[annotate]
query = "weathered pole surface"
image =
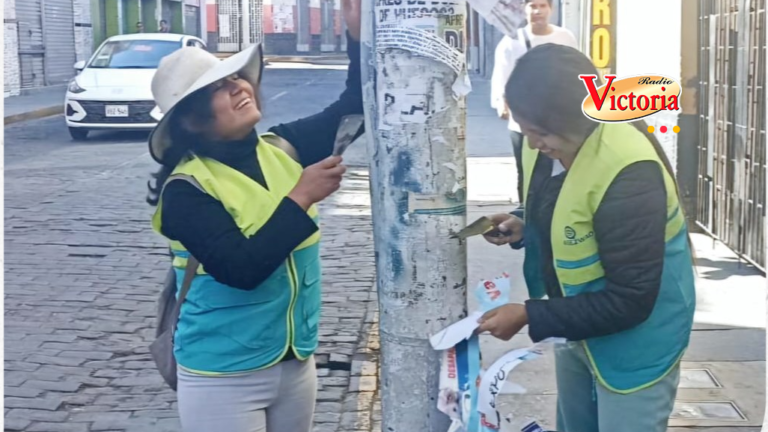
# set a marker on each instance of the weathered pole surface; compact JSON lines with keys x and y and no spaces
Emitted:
{"x":415,"y":134}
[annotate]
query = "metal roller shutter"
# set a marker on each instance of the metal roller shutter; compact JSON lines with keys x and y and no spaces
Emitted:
{"x":31,"y":50}
{"x":192,"y":20}
{"x":59,"y":36}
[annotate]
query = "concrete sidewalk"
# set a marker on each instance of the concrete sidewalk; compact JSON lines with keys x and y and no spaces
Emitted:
{"x":44,"y":102}
{"x":723,"y":379}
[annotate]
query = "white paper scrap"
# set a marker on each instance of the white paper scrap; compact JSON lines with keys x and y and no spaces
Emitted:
{"x":420,"y":42}
{"x":456,"y":332}
{"x":505,"y":15}
{"x":495,"y":377}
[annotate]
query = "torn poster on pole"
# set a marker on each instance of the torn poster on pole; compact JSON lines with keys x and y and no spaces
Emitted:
{"x":467,"y":393}
{"x":433,"y":30}
{"x":505,"y":15}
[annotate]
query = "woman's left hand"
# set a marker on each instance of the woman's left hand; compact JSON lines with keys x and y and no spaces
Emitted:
{"x":504,"y":321}
{"x":351,"y":10}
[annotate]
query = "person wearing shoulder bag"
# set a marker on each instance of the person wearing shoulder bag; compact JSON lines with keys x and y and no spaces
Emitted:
{"x":244,"y":206}
{"x":539,"y":31}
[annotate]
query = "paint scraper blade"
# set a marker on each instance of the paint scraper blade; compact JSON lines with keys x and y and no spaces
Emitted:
{"x":478,"y":227}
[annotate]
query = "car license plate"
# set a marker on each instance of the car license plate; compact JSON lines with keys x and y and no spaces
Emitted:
{"x":117,"y":110}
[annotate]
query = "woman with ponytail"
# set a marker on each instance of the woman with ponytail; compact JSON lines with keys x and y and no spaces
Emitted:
{"x":608,"y":262}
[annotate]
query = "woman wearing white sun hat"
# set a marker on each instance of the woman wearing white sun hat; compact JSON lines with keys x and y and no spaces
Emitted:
{"x":243,"y":205}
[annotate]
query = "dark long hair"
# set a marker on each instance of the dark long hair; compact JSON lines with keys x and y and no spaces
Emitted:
{"x":545,"y":90}
{"x":197,"y":107}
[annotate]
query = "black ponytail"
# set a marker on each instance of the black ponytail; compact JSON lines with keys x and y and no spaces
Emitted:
{"x":197,"y":107}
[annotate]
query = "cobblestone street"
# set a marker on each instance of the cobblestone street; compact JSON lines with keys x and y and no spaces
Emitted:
{"x":84,"y":269}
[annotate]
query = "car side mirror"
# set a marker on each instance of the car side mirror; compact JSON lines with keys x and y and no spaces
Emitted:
{"x":79,"y":66}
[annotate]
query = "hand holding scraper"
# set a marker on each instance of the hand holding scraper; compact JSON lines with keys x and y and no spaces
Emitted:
{"x":478,"y":227}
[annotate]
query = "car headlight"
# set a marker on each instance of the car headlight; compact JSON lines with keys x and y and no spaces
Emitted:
{"x":156,"y":113}
{"x":74,"y":87}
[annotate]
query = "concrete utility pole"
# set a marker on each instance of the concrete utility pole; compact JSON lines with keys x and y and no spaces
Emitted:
{"x":418,"y":189}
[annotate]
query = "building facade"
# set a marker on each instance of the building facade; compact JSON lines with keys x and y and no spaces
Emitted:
{"x":285,"y":27}
{"x":116,"y":17}
{"x":43,"y":40}
{"x":716,"y":49}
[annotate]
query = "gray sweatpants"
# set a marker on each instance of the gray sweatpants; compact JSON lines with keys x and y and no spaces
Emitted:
{"x":278,"y":399}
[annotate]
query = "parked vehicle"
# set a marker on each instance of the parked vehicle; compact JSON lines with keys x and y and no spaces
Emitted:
{"x":112,"y":90}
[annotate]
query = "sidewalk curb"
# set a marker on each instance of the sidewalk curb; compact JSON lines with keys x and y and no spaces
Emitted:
{"x":34,"y":114}
{"x":320,"y":60}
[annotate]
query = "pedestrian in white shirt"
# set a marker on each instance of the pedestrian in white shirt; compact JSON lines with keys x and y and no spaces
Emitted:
{"x":538,"y":32}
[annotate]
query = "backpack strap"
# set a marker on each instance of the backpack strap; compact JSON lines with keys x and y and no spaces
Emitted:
{"x":525,"y":37}
{"x":189,"y":274}
{"x":282,"y":144}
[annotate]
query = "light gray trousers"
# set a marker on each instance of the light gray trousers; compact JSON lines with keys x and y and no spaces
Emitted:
{"x":278,"y":399}
{"x":584,"y":405}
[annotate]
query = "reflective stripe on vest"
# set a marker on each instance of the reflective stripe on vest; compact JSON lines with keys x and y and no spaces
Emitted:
{"x":610,"y":149}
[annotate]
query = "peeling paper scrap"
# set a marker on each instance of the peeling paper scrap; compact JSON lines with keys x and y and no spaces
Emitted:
{"x":462,"y":86}
{"x":456,"y":332}
{"x":505,"y":15}
{"x":450,"y":165}
{"x":495,"y":377}
{"x":421,"y":42}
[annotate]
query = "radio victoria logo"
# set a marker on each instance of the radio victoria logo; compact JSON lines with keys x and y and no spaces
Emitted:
{"x":630,"y":98}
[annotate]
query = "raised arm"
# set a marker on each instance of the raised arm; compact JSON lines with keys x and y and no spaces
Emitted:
{"x":313,"y":137}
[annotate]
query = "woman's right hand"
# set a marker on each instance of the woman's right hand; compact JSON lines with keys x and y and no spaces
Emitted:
{"x":318,"y":181}
{"x":509,"y":229}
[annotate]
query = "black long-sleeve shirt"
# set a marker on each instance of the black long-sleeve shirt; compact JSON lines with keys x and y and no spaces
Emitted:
{"x":629,"y":227}
{"x":208,"y":231}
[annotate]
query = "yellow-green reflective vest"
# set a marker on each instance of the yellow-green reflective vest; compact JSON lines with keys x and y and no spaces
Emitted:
{"x":637,"y":358}
{"x":223,"y":329}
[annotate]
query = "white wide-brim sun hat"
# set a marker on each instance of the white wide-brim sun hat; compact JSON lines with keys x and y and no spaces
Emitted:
{"x":188,"y":70}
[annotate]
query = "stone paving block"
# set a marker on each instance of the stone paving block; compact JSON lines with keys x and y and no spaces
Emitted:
{"x":32,"y":403}
{"x":22,"y":392}
{"x":99,"y":417}
{"x":351,"y":421}
{"x":355,"y":402}
{"x":339,"y":358}
{"x":34,"y":414}
{"x":363,"y":384}
{"x":60,"y":386}
{"x":59,"y":427}
{"x":15,"y":378}
{"x":61,"y":361}
{"x":364,"y":368}
{"x":18,"y":366}
{"x":168,"y":413}
{"x":16,"y":424}
{"x":333,"y":381}
{"x":325,"y":427}
{"x":331,"y":394}
{"x":327,"y":417}
{"x":87,"y":355}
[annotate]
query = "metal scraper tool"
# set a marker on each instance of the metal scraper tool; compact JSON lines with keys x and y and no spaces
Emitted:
{"x":350,"y":128}
{"x":478,"y":227}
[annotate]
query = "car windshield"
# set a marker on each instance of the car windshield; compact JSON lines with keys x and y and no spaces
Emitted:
{"x":133,"y":54}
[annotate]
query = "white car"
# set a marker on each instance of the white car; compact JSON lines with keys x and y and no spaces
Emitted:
{"x":113,"y":90}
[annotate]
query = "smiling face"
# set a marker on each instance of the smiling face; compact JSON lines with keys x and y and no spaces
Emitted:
{"x":234,"y":110}
{"x":549,"y":144}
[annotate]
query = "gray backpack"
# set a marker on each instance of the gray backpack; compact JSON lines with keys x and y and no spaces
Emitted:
{"x":167,"y":318}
